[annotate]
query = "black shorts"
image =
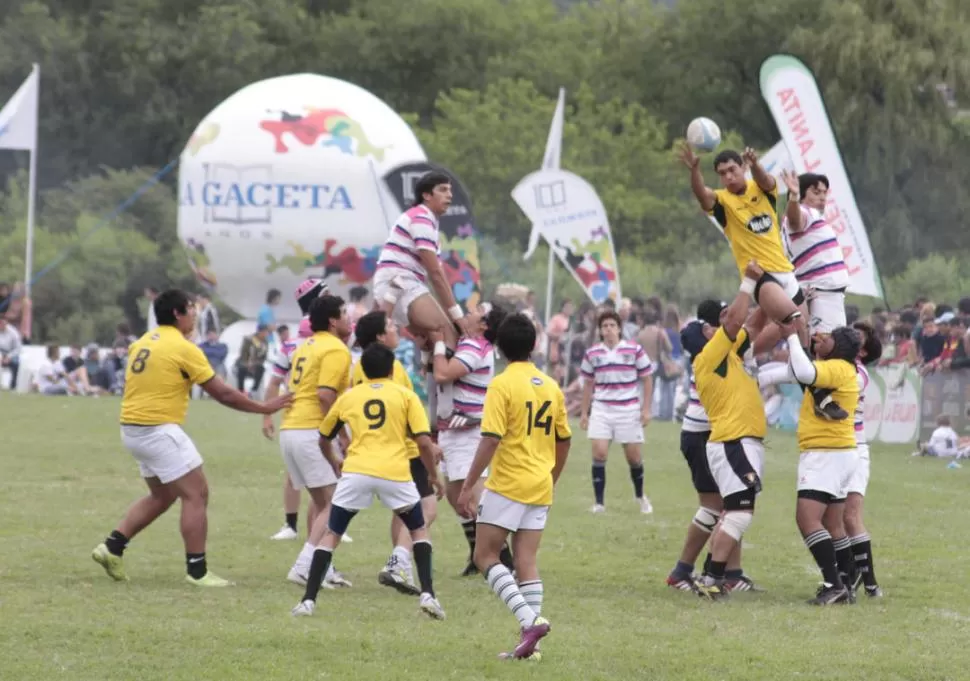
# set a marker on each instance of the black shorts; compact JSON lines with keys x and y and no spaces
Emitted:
{"x":798,"y":298}
{"x":420,"y":476}
{"x":694,"y":448}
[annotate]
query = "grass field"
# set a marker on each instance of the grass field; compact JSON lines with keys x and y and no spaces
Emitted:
{"x":65,"y":482}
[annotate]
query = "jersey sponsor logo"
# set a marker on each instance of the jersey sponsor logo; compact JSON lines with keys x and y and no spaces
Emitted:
{"x":760,"y":224}
{"x":536,"y":380}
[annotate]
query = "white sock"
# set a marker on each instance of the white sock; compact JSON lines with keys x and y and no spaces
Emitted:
{"x":330,"y":571}
{"x":402,"y":557}
{"x":532,"y":593}
{"x":303,"y":560}
{"x":503,"y":584}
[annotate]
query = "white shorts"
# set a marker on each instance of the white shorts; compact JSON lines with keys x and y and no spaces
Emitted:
{"x":458,"y":448}
{"x":404,"y":286}
{"x":827,"y":471}
{"x":736,"y":465}
{"x":617,"y":426}
{"x":164,"y":452}
{"x":787,"y":281}
{"x":356,"y":491}
{"x":826,"y":311}
{"x":304,"y":460}
{"x":494,"y":509}
{"x":859,"y":480}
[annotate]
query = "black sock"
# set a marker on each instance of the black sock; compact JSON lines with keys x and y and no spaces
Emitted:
{"x":599,"y":480}
{"x":707,"y":562}
{"x":820,"y":544}
{"x":291,"y":521}
{"x":116,"y":543}
{"x":636,"y":475}
{"x":195,"y":565}
{"x":422,"y":560}
{"x":734,"y":574}
{"x":469,"y":528}
{"x":716,"y":569}
{"x":318,"y":568}
{"x":862,"y":552}
{"x":506,"y":557}
{"x":844,"y":560}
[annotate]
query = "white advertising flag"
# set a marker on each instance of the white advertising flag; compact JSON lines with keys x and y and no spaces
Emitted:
{"x":792,"y":94}
{"x":567,"y":212}
{"x":18,"y":118}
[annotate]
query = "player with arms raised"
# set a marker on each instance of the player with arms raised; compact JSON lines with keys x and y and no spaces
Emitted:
{"x":382,"y":417}
{"x":163,"y":365}
{"x":525,"y":443}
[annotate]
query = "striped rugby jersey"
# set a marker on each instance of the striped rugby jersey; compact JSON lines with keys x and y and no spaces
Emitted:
{"x":860,"y":410}
{"x":283,"y":355}
{"x":695,"y":418}
{"x":416,"y":230}
{"x":617,"y":374}
{"x":815,"y":253}
{"x":468,"y":392}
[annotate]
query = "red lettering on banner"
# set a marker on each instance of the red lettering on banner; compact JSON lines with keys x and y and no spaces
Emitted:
{"x":901,"y":413}
{"x":846,"y":252}
{"x":799,"y":128}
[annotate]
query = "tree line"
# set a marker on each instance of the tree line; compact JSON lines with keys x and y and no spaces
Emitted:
{"x":126,"y":81}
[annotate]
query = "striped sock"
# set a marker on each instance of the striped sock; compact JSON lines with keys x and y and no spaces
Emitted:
{"x":500,"y":580}
{"x":820,"y":544}
{"x":532,"y":593}
{"x":862,"y":552}
{"x":844,"y":559}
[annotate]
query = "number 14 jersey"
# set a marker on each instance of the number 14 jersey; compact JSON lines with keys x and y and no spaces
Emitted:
{"x":526,"y":411}
{"x":321,"y":361}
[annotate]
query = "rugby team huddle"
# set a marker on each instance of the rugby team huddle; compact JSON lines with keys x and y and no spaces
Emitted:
{"x":352,"y":431}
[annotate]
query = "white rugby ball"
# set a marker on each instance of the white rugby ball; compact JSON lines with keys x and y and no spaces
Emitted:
{"x":703,"y":134}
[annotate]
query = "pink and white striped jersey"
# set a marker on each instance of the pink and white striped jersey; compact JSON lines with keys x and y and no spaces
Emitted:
{"x":815,"y":253}
{"x":695,"y":417}
{"x":468,"y":392}
{"x":617,"y":374}
{"x":281,"y":358}
{"x":860,"y":411}
{"x":416,"y":230}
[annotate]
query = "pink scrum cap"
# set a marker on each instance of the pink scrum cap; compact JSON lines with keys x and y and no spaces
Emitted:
{"x":308,"y":291}
{"x":305,"y":331}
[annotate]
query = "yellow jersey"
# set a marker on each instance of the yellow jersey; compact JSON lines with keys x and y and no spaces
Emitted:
{"x":820,"y":434}
{"x":750,"y":223}
{"x":729,"y":395}
{"x":162,"y":367}
{"x":321,"y":361}
{"x":526,"y":411}
{"x":383,"y":417}
{"x":400,"y":376}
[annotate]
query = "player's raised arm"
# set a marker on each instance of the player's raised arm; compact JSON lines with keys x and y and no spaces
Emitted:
{"x":704,"y":194}
{"x":737,"y":312}
{"x":765,"y":180}
{"x":793,"y":213}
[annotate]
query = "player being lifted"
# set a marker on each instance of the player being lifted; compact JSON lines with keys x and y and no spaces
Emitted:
{"x":525,"y":443}
{"x":319,"y":372}
{"x":462,"y":383}
{"x":828,"y":454}
{"x":613,"y":371}
{"x":694,"y":435}
{"x":735,"y":451}
{"x":377,"y":328}
{"x":382,"y":417}
{"x":747,"y":212}
{"x":163,"y":365}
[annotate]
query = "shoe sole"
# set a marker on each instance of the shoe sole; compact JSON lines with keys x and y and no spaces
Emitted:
{"x":522,"y":653}
{"x":406,"y":589}
{"x":100,"y":560}
{"x":432,"y":612}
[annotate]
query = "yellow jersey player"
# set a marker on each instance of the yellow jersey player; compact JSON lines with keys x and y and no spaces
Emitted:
{"x":318,"y":372}
{"x":382,"y":417}
{"x":378,"y":327}
{"x":525,"y":443}
{"x":735,"y":452}
{"x":828,"y":457}
{"x":163,"y":365}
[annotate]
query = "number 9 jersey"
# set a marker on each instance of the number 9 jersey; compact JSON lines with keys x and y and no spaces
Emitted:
{"x":526,"y":411}
{"x":383,"y":417}
{"x":320,"y":362}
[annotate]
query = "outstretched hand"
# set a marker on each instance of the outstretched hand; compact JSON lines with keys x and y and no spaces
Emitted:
{"x":790,"y":178}
{"x":687,"y":156}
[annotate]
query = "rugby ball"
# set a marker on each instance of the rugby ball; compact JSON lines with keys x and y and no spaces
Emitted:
{"x":703,"y":134}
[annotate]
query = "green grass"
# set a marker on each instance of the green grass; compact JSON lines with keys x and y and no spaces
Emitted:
{"x":65,"y":481}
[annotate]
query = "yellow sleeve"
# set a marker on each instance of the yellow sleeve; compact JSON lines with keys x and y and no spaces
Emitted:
{"x":563,"y":432}
{"x":358,"y":375}
{"x":417,"y":419}
{"x":195,"y":364}
{"x":401,"y":376}
{"x":742,"y":343}
{"x":833,"y":373}
{"x":495,"y":415}
{"x":332,"y":423}
{"x":334,"y":370}
{"x":715,"y":351}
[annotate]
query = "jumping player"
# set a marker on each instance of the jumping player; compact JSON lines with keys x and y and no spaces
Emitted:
{"x":614,"y":371}
{"x":382,"y":417}
{"x":525,"y":443}
{"x":163,"y":365}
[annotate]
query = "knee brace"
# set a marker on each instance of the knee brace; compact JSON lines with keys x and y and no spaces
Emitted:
{"x":705,"y":519}
{"x":339,"y":520}
{"x":413,"y":518}
{"x":736,"y":524}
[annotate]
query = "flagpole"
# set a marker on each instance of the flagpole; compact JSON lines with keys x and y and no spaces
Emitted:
{"x":31,"y":193}
{"x":549,"y":284}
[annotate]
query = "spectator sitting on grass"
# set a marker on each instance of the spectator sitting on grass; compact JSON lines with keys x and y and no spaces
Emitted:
{"x":74,"y":368}
{"x":99,"y":378}
{"x":51,"y":378}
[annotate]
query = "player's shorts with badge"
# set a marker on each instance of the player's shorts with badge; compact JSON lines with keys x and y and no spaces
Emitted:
{"x":621,"y":426}
{"x":400,"y":285}
{"x":827,"y":472}
{"x":737,"y":466}
{"x":826,"y":311}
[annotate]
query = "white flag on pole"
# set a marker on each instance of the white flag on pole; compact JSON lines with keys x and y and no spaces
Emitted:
{"x":18,"y":118}
{"x":550,"y":160}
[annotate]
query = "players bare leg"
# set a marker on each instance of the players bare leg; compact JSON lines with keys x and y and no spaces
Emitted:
{"x":725,"y":543}
{"x":634,"y":458}
{"x":809,"y":512}
{"x":861,"y":544}
{"x":699,"y":532}
{"x":320,"y":499}
{"x":601,"y":450}
{"x":397,"y":572}
{"x":452,"y":490}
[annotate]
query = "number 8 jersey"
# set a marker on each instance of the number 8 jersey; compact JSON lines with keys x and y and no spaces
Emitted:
{"x":320,"y":362}
{"x":526,"y":411}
